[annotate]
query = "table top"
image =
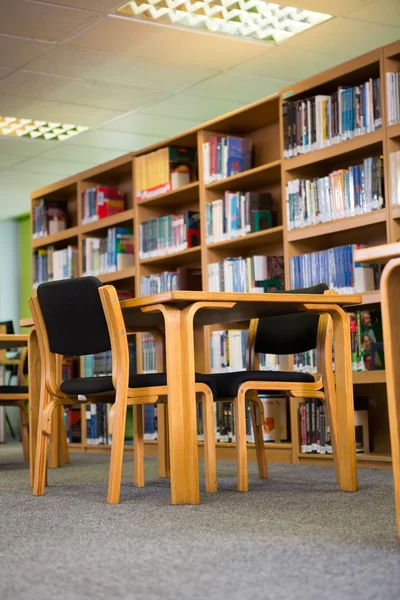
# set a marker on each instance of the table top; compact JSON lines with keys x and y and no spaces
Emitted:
{"x":377,"y":254}
{"x":247,"y":306}
{"x":12,"y":341}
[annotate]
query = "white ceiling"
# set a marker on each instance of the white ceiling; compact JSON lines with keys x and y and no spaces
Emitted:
{"x":135,"y":83}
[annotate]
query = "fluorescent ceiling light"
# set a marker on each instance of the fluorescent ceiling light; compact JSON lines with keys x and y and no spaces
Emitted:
{"x":39,"y":130}
{"x":254,"y":19}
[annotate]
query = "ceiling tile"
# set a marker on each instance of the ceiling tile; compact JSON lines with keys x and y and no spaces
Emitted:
{"x":290,"y":63}
{"x":77,"y":91}
{"x":81,"y":154}
{"x":40,"y":21}
{"x":7,"y":161}
{"x":16,"y":52}
{"x":386,"y":12}
{"x":147,"y":124}
{"x":4,"y":71}
{"x":169,"y":44}
{"x":331,"y":7}
{"x":70,"y":61}
{"x":115,"y":140}
{"x":96,"y":5}
{"x":192,"y":107}
{"x":52,"y":167}
{"x":24,"y":148}
{"x":43,"y":110}
{"x":342,"y":35}
{"x":240,"y":87}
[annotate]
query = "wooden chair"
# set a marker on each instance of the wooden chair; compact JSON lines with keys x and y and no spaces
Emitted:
{"x":280,"y":335}
{"x":81,"y":316}
{"x":17,"y":395}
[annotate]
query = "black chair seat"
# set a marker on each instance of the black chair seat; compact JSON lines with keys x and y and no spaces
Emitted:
{"x":227,"y":384}
{"x":86,"y":386}
{"x":13,"y":389}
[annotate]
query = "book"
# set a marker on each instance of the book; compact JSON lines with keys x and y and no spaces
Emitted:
{"x":108,"y":254}
{"x":323,"y":120}
{"x":245,"y":274}
{"x":48,"y":218}
{"x":393,"y":97}
{"x":169,"y":234}
{"x":225,"y":156}
{"x":99,"y":202}
{"x":51,"y":264}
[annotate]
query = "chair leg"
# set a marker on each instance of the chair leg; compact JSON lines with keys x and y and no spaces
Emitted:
{"x":138,"y":445}
{"x":241,"y":443}
{"x":40,"y":475}
{"x":163,"y":441}
{"x":210,"y":454}
{"x":24,"y":433}
{"x":117,"y":446}
{"x":257,"y":422}
{"x":64,"y":444}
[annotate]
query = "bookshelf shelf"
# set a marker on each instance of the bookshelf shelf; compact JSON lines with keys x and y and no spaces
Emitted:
{"x":249,"y":180}
{"x":117,"y":219}
{"x":395,"y":211}
{"x":343,"y":151}
{"x":177,"y":258}
{"x":372,"y":297}
{"x":183,"y":195}
{"x":303,"y":233}
{"x":368,"y":461}
{"x":259,"y":238}
{"x":368,"y":377}
{"x":61,"y":236}
{"x":378,"y":254}
{"x":117,"y":275}
{"x":394,"y":131}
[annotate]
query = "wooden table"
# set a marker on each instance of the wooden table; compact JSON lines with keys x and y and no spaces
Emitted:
{"x":177,"y":313}
{"x":389,"y":255}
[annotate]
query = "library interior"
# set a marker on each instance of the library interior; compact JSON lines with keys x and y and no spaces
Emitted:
{"x":199,"y":299}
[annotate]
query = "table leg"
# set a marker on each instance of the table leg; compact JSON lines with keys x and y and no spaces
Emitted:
{"x":390,"y":288}
{"x":34,"y":397}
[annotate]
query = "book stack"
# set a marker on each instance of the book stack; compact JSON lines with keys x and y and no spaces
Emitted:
{"x":335,"y":267}
{"x":395,"y":177}
{"x":48,"y":218}
{"x":169,"y":234}
{"x":182,"y":279}
{"x":50,"y":264}
{"x":393,"y":98}
{"x":315,"y":434}
{"x":72,"y":420}
{"x":228,"y":353}
{"x":252,"y":274}
{"x":149,"y":365}
{"x":164,"y":170}
{"x":343,"y":193}
{"x":225,"y":156}
{"x":238,"y":214}
{"x":305,"y":362}
{"x":366,"y":340}
{"x":108,"y":254}
{"x":100,"y":202}
{"x":324,"y":120}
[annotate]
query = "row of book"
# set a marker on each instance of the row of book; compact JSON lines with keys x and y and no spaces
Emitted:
{"x":108,"y":254}
{"x":342,"y":193}
{"x":48,"y":218}
{"x":315,"y":434}
{"x":182,"y":279}
{"x":393,"y":98}
{"x":225,"y":156}
{"x":99,"y":202}
{"x":49,"y":264}
{"x":169,"y":234}
{"x":238,"y":214}
{"x":324,"y":120}
{"x":335,"y":267}
{"x":251,"y":274}
{"x":228,"y":352}
{"x":395,"y":177}
{"x":164,"y":170}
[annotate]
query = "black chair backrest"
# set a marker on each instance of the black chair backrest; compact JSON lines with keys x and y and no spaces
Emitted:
{"x":74,"y":317}
{"x":289,"y":334}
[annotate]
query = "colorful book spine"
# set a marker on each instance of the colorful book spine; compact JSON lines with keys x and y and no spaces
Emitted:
{"x":169,"y":234}
{"x":100,"y":202}
{"x":252,"y":274}
{"x":225,"y":156}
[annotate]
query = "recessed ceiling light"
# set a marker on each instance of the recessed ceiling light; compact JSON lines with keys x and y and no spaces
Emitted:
{"x":39,"y":130}
{"x":254,"y":19}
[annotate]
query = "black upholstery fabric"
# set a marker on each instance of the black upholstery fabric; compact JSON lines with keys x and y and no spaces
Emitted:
{"x":289,"y":334}
{"x":99,"y":385}
{"x":13,"y":389}
{"x":74,"y":316}
{"x":227,"y":384}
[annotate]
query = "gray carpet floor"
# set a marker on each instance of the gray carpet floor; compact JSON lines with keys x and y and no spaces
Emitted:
{"x":293,"y":536}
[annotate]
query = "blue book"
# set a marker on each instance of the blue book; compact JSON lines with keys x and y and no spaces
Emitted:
{"x":239,"y":155}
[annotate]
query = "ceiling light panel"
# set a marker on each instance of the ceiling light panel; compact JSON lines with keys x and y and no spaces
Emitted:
{"x":254,"y":19}
{"x":38,"y":130}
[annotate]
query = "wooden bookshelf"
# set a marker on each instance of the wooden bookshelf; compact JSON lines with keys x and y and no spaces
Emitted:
{"x":262,"y":123}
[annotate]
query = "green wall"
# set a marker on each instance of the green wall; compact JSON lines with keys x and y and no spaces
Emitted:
{"x":26,"y":264}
